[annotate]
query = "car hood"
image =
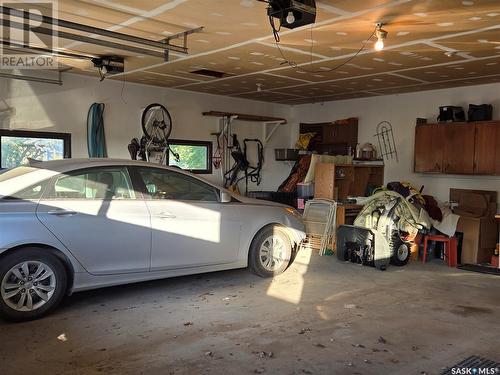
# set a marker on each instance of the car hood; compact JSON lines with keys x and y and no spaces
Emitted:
{"x":258,"y":202}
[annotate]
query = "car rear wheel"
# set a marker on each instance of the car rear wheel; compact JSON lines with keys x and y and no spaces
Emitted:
{"x":270,"y":252}
{"x":32,"y":282}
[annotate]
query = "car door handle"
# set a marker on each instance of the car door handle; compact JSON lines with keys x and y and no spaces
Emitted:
{"x":165,"y":215}
{"x":62,"y":212}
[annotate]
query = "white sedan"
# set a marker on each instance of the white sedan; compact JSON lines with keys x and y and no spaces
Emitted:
{"x":72,"y":225}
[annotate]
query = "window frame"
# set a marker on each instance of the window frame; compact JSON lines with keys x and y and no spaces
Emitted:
{"x":188,"y":142}
{"x":138,"y":180}
{"x":65,"y":137}
{"x":49,"y":194}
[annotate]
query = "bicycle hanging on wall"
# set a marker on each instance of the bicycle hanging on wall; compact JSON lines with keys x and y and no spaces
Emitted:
{"x":156,"y":125}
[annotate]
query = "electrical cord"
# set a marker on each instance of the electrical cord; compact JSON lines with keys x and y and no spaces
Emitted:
{"x":294,"y":65}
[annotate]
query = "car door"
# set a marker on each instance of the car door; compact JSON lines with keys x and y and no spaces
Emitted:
{"x":99,"y":217}
{"x":190,"y":227}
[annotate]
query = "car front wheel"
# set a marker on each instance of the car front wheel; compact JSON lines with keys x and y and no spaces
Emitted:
{"x":32,"y":282}
{"x":270,"y":252}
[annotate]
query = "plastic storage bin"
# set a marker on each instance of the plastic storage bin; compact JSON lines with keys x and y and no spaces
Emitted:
{"x":305,"y":190}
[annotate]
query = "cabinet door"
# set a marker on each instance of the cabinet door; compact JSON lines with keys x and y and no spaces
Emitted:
{"x":330,"y":133}
{"x":497,"y":151}
{"x":458,"y":144}
{"x":486,"y":152}
{"x":429,"y":148}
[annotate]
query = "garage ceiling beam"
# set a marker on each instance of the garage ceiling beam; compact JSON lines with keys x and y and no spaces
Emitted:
{"x":163,"y":45}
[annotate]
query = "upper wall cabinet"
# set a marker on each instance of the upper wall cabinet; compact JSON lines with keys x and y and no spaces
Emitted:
{"x":333,"y":137}
{"x":429,"y":148}
{"x":458,"y":148}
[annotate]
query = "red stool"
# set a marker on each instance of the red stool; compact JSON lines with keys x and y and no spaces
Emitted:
{"x":450,"y":247}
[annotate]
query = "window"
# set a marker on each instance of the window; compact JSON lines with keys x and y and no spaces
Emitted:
{"x":33,"y":192}
{"x":194,"y":156}
{"x":16,"y":147}
{"x":109,"y":183}
{"x":163,"y":184}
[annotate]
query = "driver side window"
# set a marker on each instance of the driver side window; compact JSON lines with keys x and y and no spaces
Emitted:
{"x":164,"y":184}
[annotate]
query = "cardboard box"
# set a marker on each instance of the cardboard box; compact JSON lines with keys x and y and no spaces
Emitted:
{"x":477,"y":210}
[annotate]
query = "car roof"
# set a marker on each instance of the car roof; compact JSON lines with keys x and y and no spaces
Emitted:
{"x":66,"y":165}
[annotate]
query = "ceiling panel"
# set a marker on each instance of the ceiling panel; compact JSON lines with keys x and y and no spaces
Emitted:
{"x":252,"y":58}
{"x":371,"y":62}
{"x":237,"y":41}
{"x":265,"y":96}
{"x":485,"y":43}
{"x":243,"y":84}
{"x":405,"y":23}
{"x":470,"y":69}
{"x":440,"y":85}
{"x":350,"y":85}
{"x":152,"y":79}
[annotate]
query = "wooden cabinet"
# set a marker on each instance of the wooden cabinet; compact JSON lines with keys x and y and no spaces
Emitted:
{"x":487,"y":145}
{"x":458,"y":148}
{"x":338,"y":181}
{"x":429,"y":148}
{"x":333,"y":137}
{"x":344,"y":133}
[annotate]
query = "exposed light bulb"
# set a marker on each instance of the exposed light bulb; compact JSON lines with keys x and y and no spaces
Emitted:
{"x":381,"y":36}
{"x":290,"y":18}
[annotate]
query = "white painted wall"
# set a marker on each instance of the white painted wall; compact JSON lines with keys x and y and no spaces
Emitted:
{"x":64,"y":108}
{"x":46,"y":107}
{"x":402,"y":110}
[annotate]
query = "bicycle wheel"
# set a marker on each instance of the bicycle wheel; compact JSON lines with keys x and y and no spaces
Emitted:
{"x":156,"y":123}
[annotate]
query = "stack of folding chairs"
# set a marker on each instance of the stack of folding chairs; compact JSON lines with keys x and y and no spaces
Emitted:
{"x":320,"y":219}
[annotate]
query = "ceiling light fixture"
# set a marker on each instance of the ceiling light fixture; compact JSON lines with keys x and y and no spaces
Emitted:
{"x":290,"y":18}
{"x":381,"y":35}
{"x":259,"y":87}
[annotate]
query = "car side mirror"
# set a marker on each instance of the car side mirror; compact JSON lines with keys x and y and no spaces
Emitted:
{"x":225,"y":197}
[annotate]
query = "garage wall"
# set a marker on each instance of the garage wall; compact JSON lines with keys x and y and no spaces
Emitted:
{"x":402,"y":110}
{"x":47,"y":107}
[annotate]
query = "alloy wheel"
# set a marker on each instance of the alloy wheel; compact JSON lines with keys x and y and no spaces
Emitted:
{"x":272,"y":253}
{"x":28,"y":285}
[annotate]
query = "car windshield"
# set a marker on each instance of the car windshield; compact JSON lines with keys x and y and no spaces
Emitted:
{"x":15,"y":172}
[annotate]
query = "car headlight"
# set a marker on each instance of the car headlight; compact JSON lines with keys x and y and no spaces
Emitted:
{"x":293,"y":212}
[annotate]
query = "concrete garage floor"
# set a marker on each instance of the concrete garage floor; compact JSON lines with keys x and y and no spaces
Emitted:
{"x":320,"y":317}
